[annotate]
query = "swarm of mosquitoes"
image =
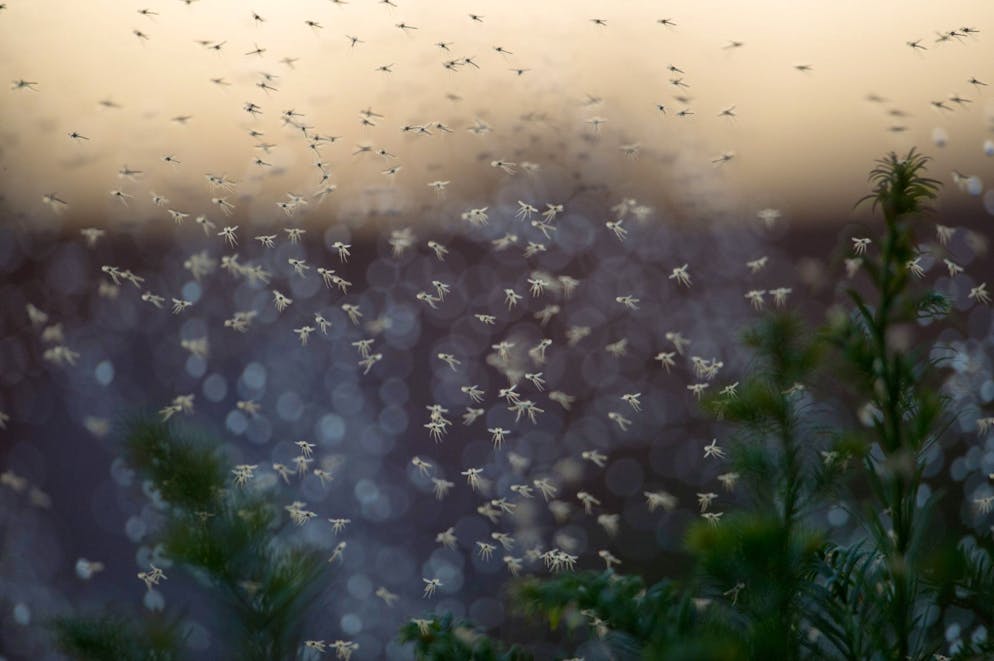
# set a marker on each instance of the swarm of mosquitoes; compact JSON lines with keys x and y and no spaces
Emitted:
{"x":548,"y":362}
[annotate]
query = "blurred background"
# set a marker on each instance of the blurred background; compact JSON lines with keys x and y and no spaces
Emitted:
{"x":771,"y":116}
{"x":801,"y":96}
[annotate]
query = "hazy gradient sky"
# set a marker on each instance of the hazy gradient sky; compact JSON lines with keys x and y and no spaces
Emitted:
{"x":802,"y":140}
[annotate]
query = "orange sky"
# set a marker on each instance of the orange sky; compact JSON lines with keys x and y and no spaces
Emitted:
{"x":802,"y":140}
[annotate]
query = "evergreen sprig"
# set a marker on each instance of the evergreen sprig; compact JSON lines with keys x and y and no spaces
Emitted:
{"x":226,"y":536}
{"x":112,"y":637}
{"x":768,"y":584}
{"x":907,"y":413}
{"x":444,"y":639}
{"x":757,"y":561}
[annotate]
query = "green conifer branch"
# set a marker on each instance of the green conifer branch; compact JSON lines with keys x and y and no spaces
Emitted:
{"x":226,"y":536}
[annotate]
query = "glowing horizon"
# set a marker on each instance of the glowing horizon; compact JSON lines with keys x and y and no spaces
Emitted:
{"x":799,"y":139}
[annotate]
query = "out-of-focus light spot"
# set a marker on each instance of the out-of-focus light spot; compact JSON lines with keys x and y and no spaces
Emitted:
{"x":260,"y":431}
{"x":347,"y":399}
{"x":351,"y":624}
{"x":359,"y":586}
{"x":193,"y":328}
{"x":394,"y":391}
{"x":378,"y":511}
{"x":375,"y":443}
{"x":196,"y":636}
{"x":453,"y":607}
{"x":135,"y":529}
{"x":254,"y":376}
{"x":972,"y":458}
{"x":154,"y":601}
{"x":404,"y":329}
{"x":191,"y":291}
{"x":121,"y":473}
{"x":957,"y":469}
{"x":104,"y":373}
{"x":84,"y":569}
{"x":838,"y":516}
{"x":366,"y":492}
{"x":236,"y":422}
{"x":215,"y":387}
{"x":451,"y":577}
{"x":22,"y":614}
{"x":289,"y":406}
{"x":330,"y":429}
{"x":304,"y":288}
{"x":99,"y":427}
{"x":393,"y":420}
{"x":196,"y":366}
{"x":576,"y":235}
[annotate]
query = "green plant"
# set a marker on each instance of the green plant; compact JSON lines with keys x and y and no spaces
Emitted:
{"x":770,"y":584}
{"x":906,"y":413}
{"x":107,"y":637}
{"x":228,"y":538}
{"x":440,"y":639}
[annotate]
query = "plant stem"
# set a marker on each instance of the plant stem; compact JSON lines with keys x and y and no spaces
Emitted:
{"x":893,"y":441}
